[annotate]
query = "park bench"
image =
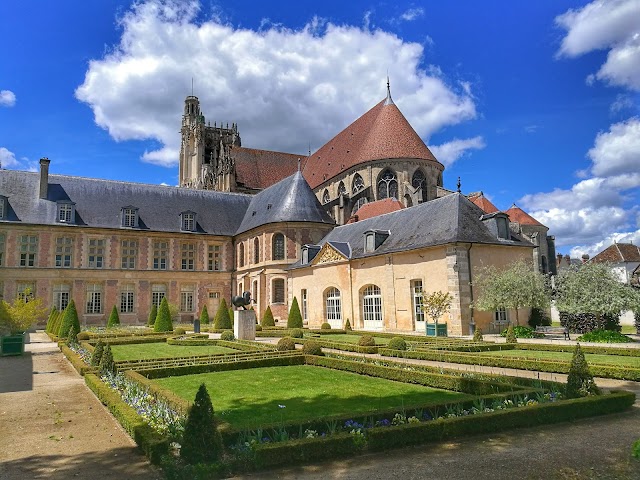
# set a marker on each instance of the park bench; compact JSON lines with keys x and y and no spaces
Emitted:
{"x":546,"y":330}
{"x":499,"y":325}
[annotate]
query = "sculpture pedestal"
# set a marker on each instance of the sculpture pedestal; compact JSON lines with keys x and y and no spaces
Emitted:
{"x":244,"y":324}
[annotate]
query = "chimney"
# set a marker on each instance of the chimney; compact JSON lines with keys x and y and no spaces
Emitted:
{"x":559,"y":259}
{"x":44,"y":177}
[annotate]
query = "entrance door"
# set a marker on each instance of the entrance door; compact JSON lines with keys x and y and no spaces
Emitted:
{"x":213,"y":302}
{"x":418,"y":313}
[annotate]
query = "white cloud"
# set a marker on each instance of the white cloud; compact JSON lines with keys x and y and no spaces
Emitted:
{"x":412,"y":14}
{"x":606,"y":25}
{"x":449,"y":152}
{"x":7,"y":98}
{"x":618,"y":150}
{"x":531,"y":128}
{"x":622,"y":102}
{"x":285,"y":88}
{"x":8,"y":160}
{"x":597,"y":247}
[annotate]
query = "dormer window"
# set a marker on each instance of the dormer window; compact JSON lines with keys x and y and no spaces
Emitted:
{"x":188,"y":222}
{"x":3,"y":207}
{"x":503,"y":228}
{"x":130,"y":217}
{"x":373,"y":239}
{"x":308,"y":253}
{"x":66,"y":212}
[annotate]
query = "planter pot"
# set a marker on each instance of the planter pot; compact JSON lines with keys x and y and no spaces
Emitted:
{"x":440,"y":331}
{"x":12,"y":345}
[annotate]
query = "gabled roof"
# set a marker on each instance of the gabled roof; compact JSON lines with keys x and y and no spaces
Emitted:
{"x":289,"y":200}
{"x":98,"y":203}
{"x":516,"y":214}
{"x":383,"y":132}
{"x":259,"y":169}
{"x":483,"y":202}
{"x":379,"y":207}
{"x":618,"y":253}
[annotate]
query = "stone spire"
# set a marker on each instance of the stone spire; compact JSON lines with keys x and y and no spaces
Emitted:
{"x":389,"y":100}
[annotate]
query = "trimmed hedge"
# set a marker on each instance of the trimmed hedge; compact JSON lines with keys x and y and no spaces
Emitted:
{"x":76,"y":362}
{"x":175,"y":400}
{"x":344,"y":346}
{"x":623,"y":352}
{"x":131,"y":340}
{"x":150,"y":442}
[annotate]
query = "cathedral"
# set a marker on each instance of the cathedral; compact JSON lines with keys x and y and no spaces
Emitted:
{"x":356,"y":231}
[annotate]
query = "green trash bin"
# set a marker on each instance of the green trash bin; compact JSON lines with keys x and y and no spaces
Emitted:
{"x":12,"y":345}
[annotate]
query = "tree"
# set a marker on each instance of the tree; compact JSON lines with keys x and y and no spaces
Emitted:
{"x":69,"y":319}
{"x":152,"y":316}
{"x":163,"y":321}
{"x":436,"y":304}
{"x":72,"y":336}
{"x":114,"y":318}
{"x":204,"y":315}
{"x":511,"y":335}
{"x":580,"y":382}
{"x":107,"y":365}
{"x":52,"y":316}
{"x":96,"y":356}
{"x":517,"y":286}
{"x":267,"y":318}
{"x":202,"y":442}
{"x":222,"y":321}
{"x":18,"y":316}
{"x":295,"y":317}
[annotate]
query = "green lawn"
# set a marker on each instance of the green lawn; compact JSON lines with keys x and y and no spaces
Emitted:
{"x":140,"y":351}
{"x":566,"y":357}
{"x":350,"y":338}
{"x":250,"y":398}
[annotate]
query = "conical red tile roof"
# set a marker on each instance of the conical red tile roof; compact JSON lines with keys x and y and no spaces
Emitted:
{"x":483,"y":202}
{"x":382,"y":132}
{"x":516,"y":214}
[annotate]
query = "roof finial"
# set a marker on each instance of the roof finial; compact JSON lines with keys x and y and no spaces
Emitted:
{"x":388,"y":101}
{"x":459,"y":185}
{"x":298,"y":164}
{"x":192,"y":86}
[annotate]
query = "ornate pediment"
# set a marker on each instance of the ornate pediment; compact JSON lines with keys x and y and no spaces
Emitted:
{"x":328,"y":254}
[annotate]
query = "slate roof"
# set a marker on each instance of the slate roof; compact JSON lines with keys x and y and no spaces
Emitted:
{"x":483,"y":202}
{"x":516,"y":214}
{"x":382,"y":132}
{"x":289,"y":200}
{"x":618,"y":253}
{"x":259,"y":169}
{"x":379,"y":207}
{"x":98,"y":203}
{"x":450,"y":219}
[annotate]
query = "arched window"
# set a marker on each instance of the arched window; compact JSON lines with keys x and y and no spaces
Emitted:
{"x":256,"y":250}
{"x":358,"y":183}
{"x":342,"y":190}
{"x":278,"y":247}
{"x":361,"y":201}
{"x":277,"y":292}
{"x":333,"y":308}
{"x":372,"y":307}
{"x":241,"y":255}
{"x":325,"y":197}
{"x":419,"y":181}
{"x":440,"y":179}
{"x":387,"y":185}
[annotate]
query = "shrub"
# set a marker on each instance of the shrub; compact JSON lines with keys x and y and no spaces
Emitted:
{"x":510,"y":335}
{"x":397,"y":343}
{"x":325,"y":326}
{"x":227,"y":336}
{"x":297,"y":333}
{"x":96,"y":356}
{"x":635,"y":449}
{"x":258,"y":328}
{"x":367,"y":341}
{"x":179,"y":331}
{"x":580,"y":381}
{"x":347,"y":325}
{"x":521,"y":331}
{"x":267,"y":318}
{"x":587,"y":322}
{"x":83,"y":336}
{"x":72,"y":336}
{"x":295,"y":317}
{"x":636,"y":316}
{"x":286,"y":343}
{"x":70,"y":318}
{"x":107,"y":365}
{"x":152,"y":316}
{"x":477,"y":335}
{"x":222,"y":319}
{"x":163,"y":321}
{"x":52,"y":316}
{"x":114,"y":318}
{"x":204,"y":315}
{"x":538,"y":318}
{"x":312,"y":348}
{"x":604,"y":336}
{"x":201,"y":442}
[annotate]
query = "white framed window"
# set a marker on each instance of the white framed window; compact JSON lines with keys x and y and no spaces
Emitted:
{"x":96,"y":252}
{"x":64,"y":252}
{"x":303,"y":297}
{"x":501,"y":315}
{"x":65,"y":212}
{"x":333,"y":308}
{"x":94,"y":298}
{"x":28,"y":247}
{"x":214,"y":295}
{"x":214,"y":258}
{"x":188,"y":251}
{"x":26,"y":290}
{"x":278,"y":246}
{"x":158,"y":292}
{"x":278,"y":290}
{"x":61,"y":296}
{"x":127,"y":298}
{"x":129,"y":254}
{"x":188,"y":222}
{"x":372,"y":307}
{"x":186,"y":298}
{"x":160,"y":254}
{"x":416,"y":297}
{"x":130,"y":217}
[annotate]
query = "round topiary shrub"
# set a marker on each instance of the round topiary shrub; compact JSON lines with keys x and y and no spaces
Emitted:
{"x":325,"y":326}
{"x":179,"y":331}
{"x":397,"y":343}
{"x":286,"y":343}
{"x":297,"y":333}
{"x":367,"y":341}
{"x":83,"y":336}
{"x":477,"y":335}
{"x":312,"y":348}
{"x":258,"y":328}
{"x":228,"y":336}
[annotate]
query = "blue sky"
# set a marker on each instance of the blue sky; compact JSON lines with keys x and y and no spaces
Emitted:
{"x":535,"y":103}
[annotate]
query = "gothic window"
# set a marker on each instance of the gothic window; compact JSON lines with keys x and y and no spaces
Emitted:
{"x":342,"y":190}
{"x":419,"y":181}
{"x":241,"y":255}
{"x":361,"y":201}
{"x":440,"y":179}
{"x":256,"y":250}
{"x":325,"y":196}
{"x":387,"y":185}
{"x":278,"y":247}
{"x":358,"y":183}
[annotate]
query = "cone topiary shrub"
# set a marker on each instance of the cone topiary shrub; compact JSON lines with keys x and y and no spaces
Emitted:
{"x":57,"y":323}
{"x":511,"y":336}
{"x":295,"y":317}
{"x":152,"y":316}
{"x":204,"y":315}
{"x":267,"y":318}
{"x":72,"y":336}
{"x":580,"y":382}
{"x":222,"y":319}
{"x":477,"y":335}
{"x":52,"y":316}
{"x":312,"y":348}
{"x":228,"y":336}
{"x":297,"y":333}
{"x":397,"y":343}
{"x":201,"y":443}
{"x":107,"y":365}
{"x":114,"y":318}
{"x":286,"y":343}
{"x":70,"y":319}
{"x":367,"y":341}
{"x":231,"y":316}
{"x":347,"y":325}
{"x":325,"y":326}
{"x":96,"y":356}
{"x":163,"y":321}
